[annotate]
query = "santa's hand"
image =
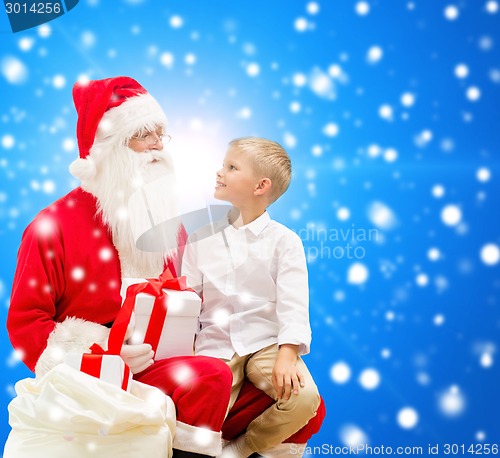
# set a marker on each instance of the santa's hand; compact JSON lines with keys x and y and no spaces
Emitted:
{"x":137,"y":357}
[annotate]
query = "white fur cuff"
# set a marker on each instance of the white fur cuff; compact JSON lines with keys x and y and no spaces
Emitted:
{"x":72,"y":335}
{"x":198,"y":440}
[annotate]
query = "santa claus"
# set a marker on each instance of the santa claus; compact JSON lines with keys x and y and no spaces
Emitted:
{"x":66,"y":291}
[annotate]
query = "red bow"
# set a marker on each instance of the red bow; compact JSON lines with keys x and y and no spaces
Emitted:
{"x":154,"y":287}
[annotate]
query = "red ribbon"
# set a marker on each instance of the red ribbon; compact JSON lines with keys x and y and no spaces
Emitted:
{"x":91,"y":363}
{"x":154,"y":287}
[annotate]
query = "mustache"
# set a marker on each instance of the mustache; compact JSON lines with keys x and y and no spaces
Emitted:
{"x":148,"y":158}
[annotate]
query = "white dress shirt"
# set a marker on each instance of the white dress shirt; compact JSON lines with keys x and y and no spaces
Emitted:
{"x":253,"y":281}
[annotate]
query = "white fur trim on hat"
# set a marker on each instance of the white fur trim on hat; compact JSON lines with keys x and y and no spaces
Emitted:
{"x":123,"y":121}
{"x":71,"y":335}
{"x":197,"y":440}
{"x":83,"y":169}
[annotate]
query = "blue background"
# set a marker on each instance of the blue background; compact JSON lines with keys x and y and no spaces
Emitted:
{"x":419,"y":306}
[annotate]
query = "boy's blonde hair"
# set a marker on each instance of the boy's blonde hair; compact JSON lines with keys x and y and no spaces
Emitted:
{"x":270,"y":160}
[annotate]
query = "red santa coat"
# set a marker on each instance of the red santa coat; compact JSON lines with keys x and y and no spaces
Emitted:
{"x":69,"y":267}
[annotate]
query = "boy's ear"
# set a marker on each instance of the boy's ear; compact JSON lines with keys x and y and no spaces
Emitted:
{"x":263,"y":186}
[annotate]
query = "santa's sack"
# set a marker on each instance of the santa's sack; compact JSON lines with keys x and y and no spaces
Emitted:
{"x":68,"y":413}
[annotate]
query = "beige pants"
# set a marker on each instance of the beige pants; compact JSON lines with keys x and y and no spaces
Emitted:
{"x":283,"y":418}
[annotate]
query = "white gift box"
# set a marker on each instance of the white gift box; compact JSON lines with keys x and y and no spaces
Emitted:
{"x":108,"y":368}
{"x":180,"y":325}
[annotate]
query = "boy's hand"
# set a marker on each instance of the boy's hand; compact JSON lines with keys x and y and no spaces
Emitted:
{"x":286,"y":377}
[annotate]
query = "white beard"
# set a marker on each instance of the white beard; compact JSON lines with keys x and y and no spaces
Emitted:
{"x":120,"y":173}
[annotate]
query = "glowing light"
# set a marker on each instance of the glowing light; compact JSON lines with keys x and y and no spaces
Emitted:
{"x":451,"y":12}
{"x":343,"y":214}
{"x":353,"y":436}
{"x":461,"y":71}
{"x":167,"y":59}
{"x":331,"y":129}
{"x":434,"y":254}
{"x":374,"y":54}
{"x":176,"y":22}
{"x":190,"y":59}
{"x":386,"y":112}
{"x":473,"y":93}
{"x":451,"y":215}
{"x":44,"y":31}
{"x":77,"y":273}
{"x":381,"y":216}
{"x":301,"y":24}
{"x":105,"y":254}
{"x":312,"y":8}
{"x":438,"y":320}
{"x":362,"y":8}
{"x":438,"y":191}
{"x":452,"y":402}
{"x":26,"y":43}
{"x":253,"y":69}
{"x":14,"y":71}
{"x":8,"y":141}
{"x":490,"y":254}
{"x":369,"y":379}
{"x":340,"y":372}
{"x":299,"y":79}
{"x":483,"y":174}
{"x":357,"y":274}
{"x":59,"y":81}
{"x":492,"y":7}
{"x":408,"y":99}
{"x":407,"y":418}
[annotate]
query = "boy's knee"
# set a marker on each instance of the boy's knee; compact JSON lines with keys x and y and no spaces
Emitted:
{"x":309,"y":400}
{"x":304,"y":405}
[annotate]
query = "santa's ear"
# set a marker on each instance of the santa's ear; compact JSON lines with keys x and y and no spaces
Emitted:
{"x":263,"y":186}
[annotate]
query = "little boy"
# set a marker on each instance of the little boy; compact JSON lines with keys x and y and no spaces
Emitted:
{"x":252,"y":275}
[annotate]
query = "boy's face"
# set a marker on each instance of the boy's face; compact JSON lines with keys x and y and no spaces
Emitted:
{"x":236,"y":180}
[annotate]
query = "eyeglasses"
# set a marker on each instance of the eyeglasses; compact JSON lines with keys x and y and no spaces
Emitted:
{"x":152,"y":138}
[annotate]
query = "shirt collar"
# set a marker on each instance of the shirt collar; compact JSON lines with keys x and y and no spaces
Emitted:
{"x":258,"y":225}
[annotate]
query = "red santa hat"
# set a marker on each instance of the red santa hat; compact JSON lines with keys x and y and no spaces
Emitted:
{"x":110,"y":110}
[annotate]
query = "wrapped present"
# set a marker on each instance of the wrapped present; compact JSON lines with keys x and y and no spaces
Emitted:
{"x":108,"y":368}
{"x":166,"y":314}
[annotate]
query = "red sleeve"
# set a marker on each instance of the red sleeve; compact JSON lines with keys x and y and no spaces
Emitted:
{"x":38,"y":283}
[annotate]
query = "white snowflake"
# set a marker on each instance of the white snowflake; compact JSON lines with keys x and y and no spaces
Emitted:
{"x":369,"y":379}
{"x":357,"y":274}
{"x":452,"y":402}
{"x":407,"y":418}
{"x":362,"y":8}
{"x":490,"y":254}
{"x":451,"y":12}
{"x":340,"y":372}
{"x":374,"y":54}
{"x":14,"y":70}
{"x":382,"y":216}
{"x":451,"y":215}
{"x":353,"y":436}
{"x":176,"y":22}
